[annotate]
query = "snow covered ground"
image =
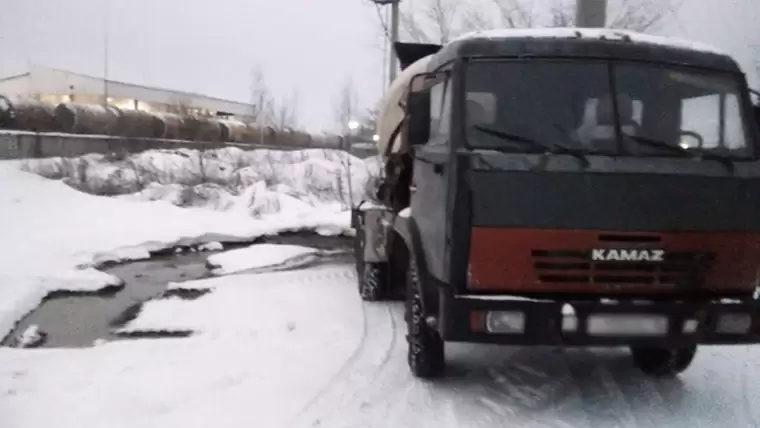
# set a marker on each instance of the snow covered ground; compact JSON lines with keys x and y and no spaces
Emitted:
{"x":293,"y":348}
{"x":299,"y":349}
{"x":52,"y":234}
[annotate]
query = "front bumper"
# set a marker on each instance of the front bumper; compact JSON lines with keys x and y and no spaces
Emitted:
{"x":551,"y":322}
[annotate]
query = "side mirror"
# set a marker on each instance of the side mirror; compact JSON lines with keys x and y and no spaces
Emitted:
{"x":418,"y":106}
{"x":418,"y":118}
{"x":690,"y":141}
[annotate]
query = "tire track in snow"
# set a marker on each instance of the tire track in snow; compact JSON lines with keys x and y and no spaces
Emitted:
{"x":647,"y":404}
{"x":602,"y":400}
{"x":472,"y":394}
{"x":341,"y":372}
{"x":714,"y":398}
{"x":464,"y":397}
{"x":530,"y":387}
{"x":398,"y":399}
{"x":562,"y":402}
{"x":751,"y":415}
{"x":359,"y":405}
{"x":358,"y":373}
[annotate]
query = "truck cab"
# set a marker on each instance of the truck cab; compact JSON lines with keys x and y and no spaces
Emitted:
{"x":567,"y":187}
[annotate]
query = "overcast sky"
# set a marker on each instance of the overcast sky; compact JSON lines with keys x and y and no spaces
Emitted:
{"x":210,"y":47}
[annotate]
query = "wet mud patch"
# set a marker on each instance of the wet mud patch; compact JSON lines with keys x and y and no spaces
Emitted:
{"x":81,"y":319}
{"x":184,"y":293}
{"x":126,"y":316}
{"x":154,"y":334}
{"x":107,"y":291}
{"x":73,"y":319}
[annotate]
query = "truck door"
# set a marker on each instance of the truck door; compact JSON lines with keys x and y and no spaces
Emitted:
{"x":430,"y":182}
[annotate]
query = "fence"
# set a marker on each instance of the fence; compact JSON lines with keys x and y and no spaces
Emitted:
{"x":19,"y":145}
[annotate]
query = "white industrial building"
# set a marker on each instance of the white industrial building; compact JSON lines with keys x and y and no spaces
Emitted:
{"x":57,"y":86}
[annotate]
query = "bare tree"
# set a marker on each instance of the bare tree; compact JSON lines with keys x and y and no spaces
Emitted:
{"x":345,"y":104}
{"x":443,"y":13}
{"x":286,"y":112}
{"x":641,"y":15}
{"x":438,"y":21}
{"x":262,"y":101}
{"x":563,"y":13}
{"x":517,"y":13}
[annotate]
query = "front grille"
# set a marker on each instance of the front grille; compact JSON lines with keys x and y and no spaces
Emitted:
{"x":679,"y":269}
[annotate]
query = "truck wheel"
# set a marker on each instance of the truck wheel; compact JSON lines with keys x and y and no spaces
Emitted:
{"x":663,"y":362}
{"x":371,"y":276}
{"x":358,"y":252}
{"x":426,"y":350}
{"x":371,"y":283}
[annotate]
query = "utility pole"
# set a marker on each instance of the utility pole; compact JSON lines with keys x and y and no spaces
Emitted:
{"x":393,"y":36}
{"x":105,"y":53}
{"x":384,"y":79}
{"x":591,"y":13}
{"x":393,"y":63}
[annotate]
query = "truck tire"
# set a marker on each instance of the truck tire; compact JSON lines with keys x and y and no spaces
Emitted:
{"x":371,"y":276}
{"x":371,"y":282}
{"x":663,"y":362}
{"x":426,"y":356}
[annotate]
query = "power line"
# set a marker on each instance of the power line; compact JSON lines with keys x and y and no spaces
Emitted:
{"x":386,"y":31}
{"x":674,"y":13}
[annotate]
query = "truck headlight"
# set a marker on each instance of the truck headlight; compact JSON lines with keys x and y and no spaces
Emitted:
{"x":505,"y":322}
{"x":690,"y":326}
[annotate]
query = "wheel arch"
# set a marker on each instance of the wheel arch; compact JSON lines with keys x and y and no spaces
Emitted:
{"x":406,"y":242}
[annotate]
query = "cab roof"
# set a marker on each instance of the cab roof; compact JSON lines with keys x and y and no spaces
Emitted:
{"x":590,"y":43}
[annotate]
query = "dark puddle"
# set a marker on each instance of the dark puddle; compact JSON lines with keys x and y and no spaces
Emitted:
{"x":70,"y":320}
{"x":78,"y":319}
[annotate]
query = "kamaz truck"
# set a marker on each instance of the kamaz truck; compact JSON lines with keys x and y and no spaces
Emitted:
{"x":566,"y":187}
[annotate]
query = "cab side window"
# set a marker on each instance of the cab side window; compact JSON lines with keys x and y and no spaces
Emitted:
{"x":440,"y":113}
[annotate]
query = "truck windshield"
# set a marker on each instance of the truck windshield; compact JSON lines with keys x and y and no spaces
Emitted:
{"x":656,"y":110}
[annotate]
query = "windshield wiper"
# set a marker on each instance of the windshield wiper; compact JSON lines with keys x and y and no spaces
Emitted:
{"x":725,"y":161}
{"x":660,"y":145}
{"x":530,"y":142}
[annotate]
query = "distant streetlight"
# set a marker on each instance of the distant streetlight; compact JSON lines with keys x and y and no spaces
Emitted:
{"x":353,"y":125}
{"x":376,"y":138}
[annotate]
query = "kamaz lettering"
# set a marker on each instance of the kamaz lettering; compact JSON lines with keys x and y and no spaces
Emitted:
{"x":628,"y":255}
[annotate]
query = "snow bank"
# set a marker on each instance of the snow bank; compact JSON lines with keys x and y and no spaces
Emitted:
{"x":187,"y":177}
{"x":592,"y":33}
{"x":52,"y":233}
{"x":256,"y":256}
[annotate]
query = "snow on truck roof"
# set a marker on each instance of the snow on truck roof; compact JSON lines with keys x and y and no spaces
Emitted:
{"x":590,"y":33}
